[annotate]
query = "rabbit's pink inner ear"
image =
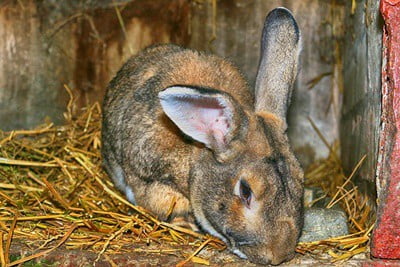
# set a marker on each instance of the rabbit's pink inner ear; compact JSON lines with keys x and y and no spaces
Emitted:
{"x":204,"y":118}
{"x":212,"y":124}
{"x":219,"y":128}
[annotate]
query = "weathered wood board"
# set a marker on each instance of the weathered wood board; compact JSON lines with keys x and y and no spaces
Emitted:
{"x":83,"y":43}
{"x":386,"y":235}
{"x":238,"y":26}
{"x":46,"y":44}
{"x":361,"y":110}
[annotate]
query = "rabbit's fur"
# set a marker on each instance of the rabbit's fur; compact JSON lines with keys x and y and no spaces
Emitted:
{"x":184,"y":126}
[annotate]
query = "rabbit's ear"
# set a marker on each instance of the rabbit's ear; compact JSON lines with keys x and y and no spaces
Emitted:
{"x":280,"y":46}
{"x":208,"y":116}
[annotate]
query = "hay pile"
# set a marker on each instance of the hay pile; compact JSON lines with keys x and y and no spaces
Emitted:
{"x":328,"y":174}
{"x":53,"y":192}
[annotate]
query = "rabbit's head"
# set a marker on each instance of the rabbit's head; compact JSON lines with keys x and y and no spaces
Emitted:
{"x":246,"y":188}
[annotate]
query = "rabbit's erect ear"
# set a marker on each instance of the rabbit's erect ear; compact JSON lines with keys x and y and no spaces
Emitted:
{"x":208,"y":116}
{"x":280,"y":47}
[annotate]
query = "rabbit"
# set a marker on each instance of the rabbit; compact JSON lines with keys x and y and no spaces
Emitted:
{"x":182,"y":125}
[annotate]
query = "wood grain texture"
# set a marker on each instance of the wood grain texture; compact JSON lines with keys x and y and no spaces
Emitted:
{"x":46,"y":44}
{"x":82,"y":44}
{"x":386,"y":236}
{"x":238,"y":32}
{"x":361,"y":111}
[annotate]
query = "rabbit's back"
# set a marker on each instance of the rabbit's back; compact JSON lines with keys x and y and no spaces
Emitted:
{"x":159,"y":67}
{"x":137,"y":135}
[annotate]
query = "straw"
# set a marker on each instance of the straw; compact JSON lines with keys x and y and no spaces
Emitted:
{"x":53,"y":188}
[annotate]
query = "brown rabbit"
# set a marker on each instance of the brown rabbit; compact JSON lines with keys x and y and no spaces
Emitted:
{"x":184,"y":125}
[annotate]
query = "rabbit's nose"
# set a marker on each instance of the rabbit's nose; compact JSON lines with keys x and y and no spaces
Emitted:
{"x":262,"y":257}
{"x":284,"y":242}
{"x":268,"y":255}
{"x":279,"y":257}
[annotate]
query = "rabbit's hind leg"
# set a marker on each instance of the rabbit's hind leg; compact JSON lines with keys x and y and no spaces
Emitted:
{"x":115,"y":171}
{"x":161,"y":199}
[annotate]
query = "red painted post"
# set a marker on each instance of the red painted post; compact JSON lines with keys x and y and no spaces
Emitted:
{"x":386,"y":236}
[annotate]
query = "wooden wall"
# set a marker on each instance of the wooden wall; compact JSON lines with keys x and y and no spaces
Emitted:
{"x":361,"y":112}
{"x":46,"y":44}
{"x":238,"y":31}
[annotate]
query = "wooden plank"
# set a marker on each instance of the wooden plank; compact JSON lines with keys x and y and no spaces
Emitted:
{"x":238,"y":28}
{"x":83,"y":44}
{"x":46,"y":44}
{"x":360,"y":118}
{"x":386,"y":235}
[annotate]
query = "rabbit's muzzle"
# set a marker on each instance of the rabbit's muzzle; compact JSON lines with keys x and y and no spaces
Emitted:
{"x":278,"y":246}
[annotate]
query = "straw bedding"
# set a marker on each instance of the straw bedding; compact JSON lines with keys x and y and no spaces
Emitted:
{"x":53,"y":192}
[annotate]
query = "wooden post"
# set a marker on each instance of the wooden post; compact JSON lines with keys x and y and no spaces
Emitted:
{"x":386,"y":235}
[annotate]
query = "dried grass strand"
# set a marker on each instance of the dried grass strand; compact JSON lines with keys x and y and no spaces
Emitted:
{"x":194,"y":253}
{"x":42,"y":200}
{"x":40,"y":254}
{"x":9,"y":238}
{"x":2,"y":253}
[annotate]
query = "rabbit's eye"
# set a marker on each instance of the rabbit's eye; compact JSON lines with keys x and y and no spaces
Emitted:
{"x":245,"y":193}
